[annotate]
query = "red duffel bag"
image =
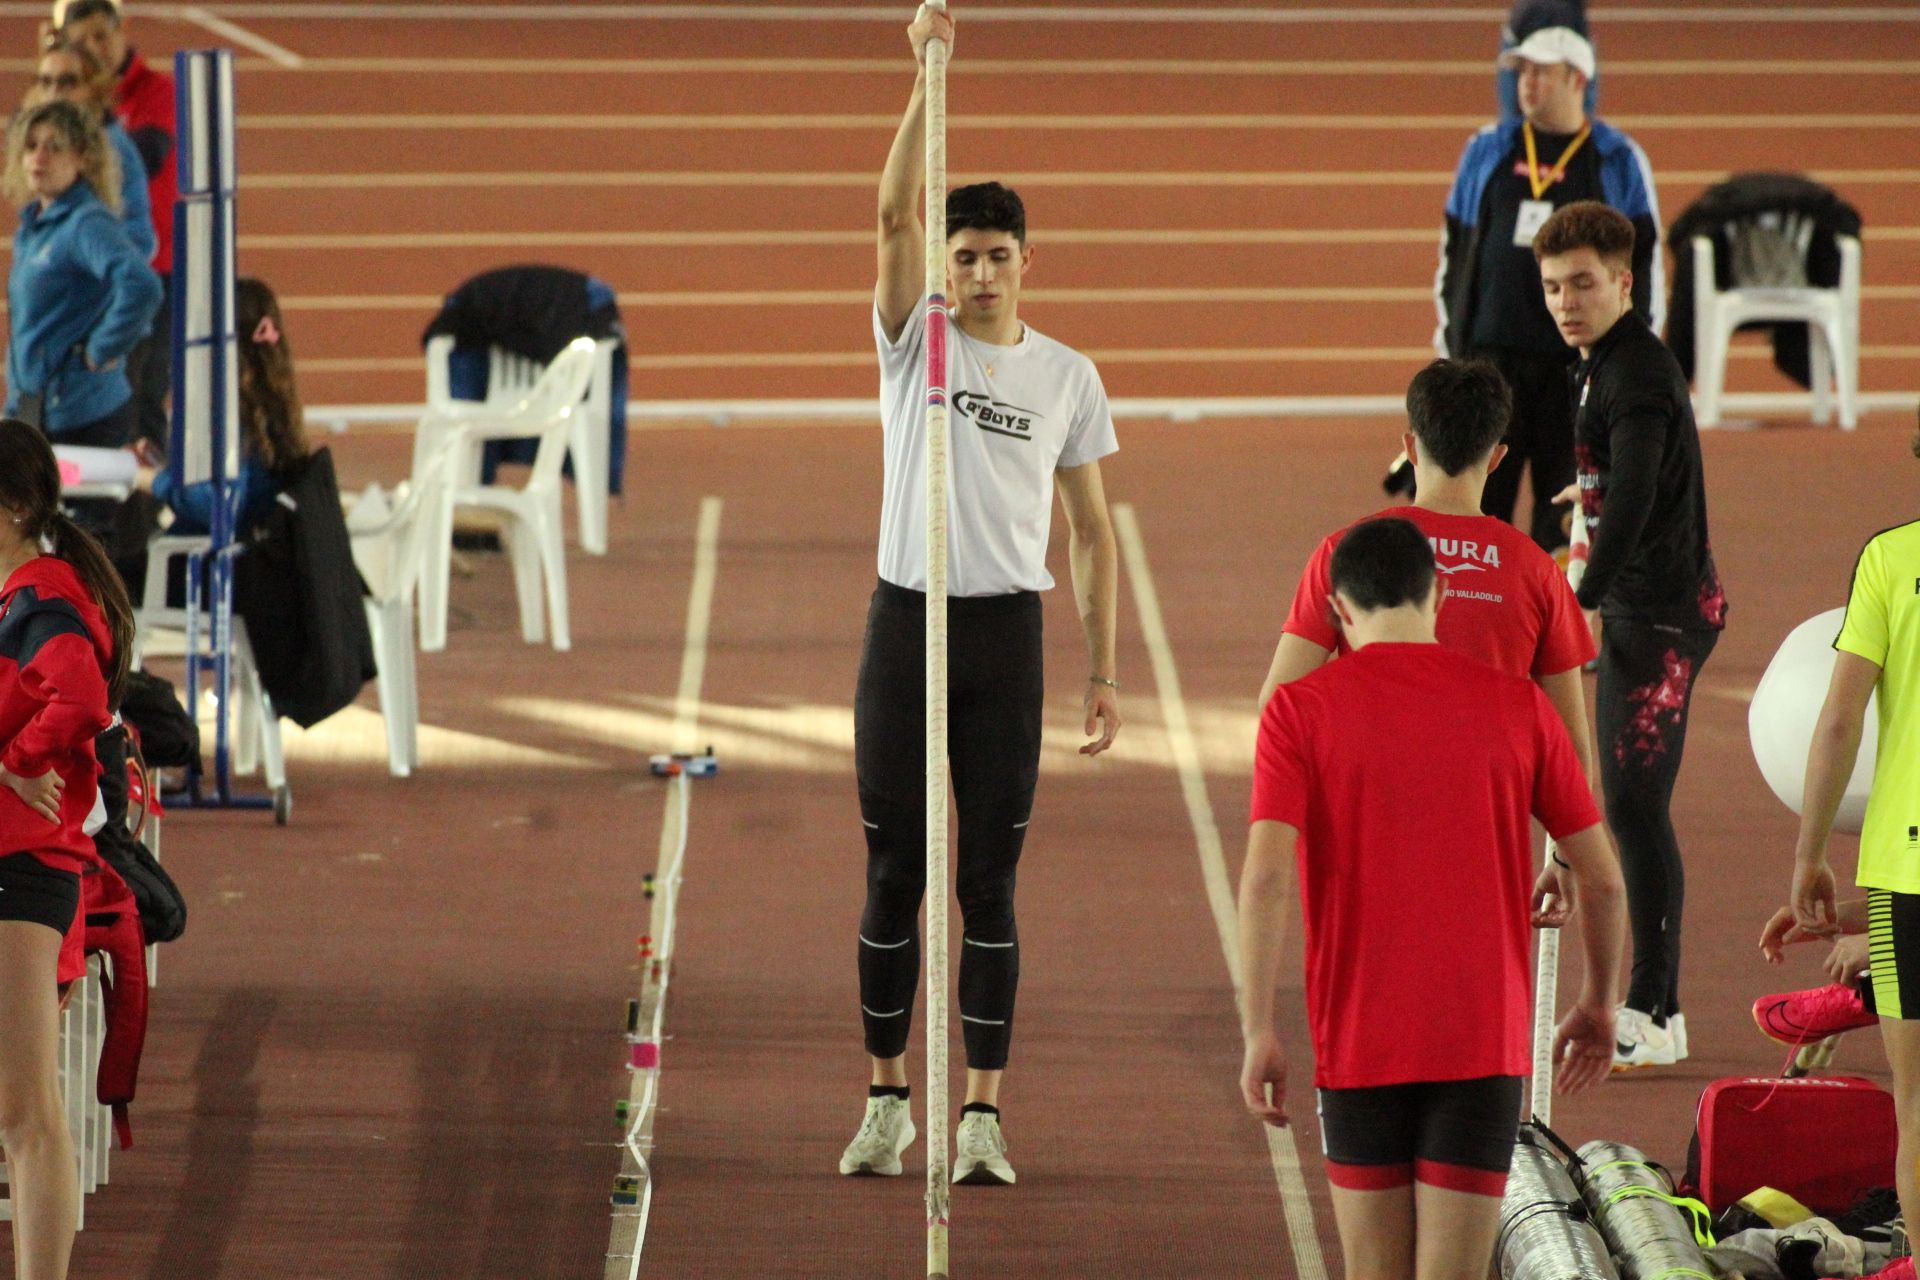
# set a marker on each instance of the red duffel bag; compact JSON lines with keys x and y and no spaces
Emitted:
{"x":1821,"y":1139}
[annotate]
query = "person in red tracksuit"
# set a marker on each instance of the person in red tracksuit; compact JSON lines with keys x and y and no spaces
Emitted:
{"x":65,"y":629}
{"x":143,"y":100}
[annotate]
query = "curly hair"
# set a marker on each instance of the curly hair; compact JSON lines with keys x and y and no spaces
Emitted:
{"x":79,"y":132}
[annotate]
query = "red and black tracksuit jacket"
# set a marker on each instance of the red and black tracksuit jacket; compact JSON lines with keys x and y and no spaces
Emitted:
{"x":54,"y":648}
{"x":144,"y":101}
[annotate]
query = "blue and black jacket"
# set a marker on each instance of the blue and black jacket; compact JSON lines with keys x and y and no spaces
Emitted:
{"x":1626,"y":183}
{"x":80,"y":296}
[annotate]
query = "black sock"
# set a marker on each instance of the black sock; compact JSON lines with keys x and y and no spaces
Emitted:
{"x":899,"y":1091}
{"x":983,"y":1108}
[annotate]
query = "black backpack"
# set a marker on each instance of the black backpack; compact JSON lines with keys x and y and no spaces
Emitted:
{"x":163,"y":911}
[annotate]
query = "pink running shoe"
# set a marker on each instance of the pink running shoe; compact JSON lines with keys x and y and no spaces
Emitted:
{"x":1800,"y":1017}
{"x":1898,"y":1269}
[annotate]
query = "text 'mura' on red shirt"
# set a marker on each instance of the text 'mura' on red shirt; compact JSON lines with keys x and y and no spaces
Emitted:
{"x":1410,"y":772}
{"x":1507,"y":602}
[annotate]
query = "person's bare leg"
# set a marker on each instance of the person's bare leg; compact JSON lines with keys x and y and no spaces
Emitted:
{"x":983,"y":1086}
{"x":1454,"y":1233}
{"x":1376,"y":1232}
{"x":1902,"y":1036}
{"x":33,"y":1125}
{"x":891,"y":1072}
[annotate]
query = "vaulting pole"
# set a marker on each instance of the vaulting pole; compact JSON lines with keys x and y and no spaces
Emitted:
{"x":939,"y":1189}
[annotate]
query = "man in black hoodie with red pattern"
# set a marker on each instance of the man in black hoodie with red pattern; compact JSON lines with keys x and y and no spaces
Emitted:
{"x":1650,"y":576}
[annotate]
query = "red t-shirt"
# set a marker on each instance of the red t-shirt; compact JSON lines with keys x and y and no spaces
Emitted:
{"x":1507,"y":602}
{"x":1410,"y":772}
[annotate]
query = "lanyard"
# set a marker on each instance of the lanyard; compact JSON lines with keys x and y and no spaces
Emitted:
{"x":1559,"y":170}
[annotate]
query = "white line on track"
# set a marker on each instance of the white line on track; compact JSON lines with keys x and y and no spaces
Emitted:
{"x":1473,"y":68}
{"x":1065,"y":296}
{"x":789,"y":238}
{"x":790,"y":123}
{"x":246,"y":39}
{"x":628,"y":1232}
{"x":693,"y":655}
{"x":1118,"y":355}
{"x":1281,"y":1150}
{"x":1159,"y":178}
{"x":1823,"y":15}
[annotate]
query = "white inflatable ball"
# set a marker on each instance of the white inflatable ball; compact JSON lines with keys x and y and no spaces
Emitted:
{"x":1786,"y":706}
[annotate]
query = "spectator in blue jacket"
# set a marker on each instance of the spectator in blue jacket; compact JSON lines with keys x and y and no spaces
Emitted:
{"x":70,"y":73}
{"x":80,"y":295}
{"x":1512,"y":177}
{"x":273,"y":445}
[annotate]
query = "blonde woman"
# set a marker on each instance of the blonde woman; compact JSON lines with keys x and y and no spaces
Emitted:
{"x":80,"y":294}
{"x":69,"y":72}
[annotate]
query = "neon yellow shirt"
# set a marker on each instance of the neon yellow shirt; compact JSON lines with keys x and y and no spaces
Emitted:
{"x":1883,"y":626}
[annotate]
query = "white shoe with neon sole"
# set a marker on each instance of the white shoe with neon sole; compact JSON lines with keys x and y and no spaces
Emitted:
{"x":1639,"y":1041}
{"x":886,"y":1131}
{"x":1677,"y":1028}
{"x":980,"y":1152}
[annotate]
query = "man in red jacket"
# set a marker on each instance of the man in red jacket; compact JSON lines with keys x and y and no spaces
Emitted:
{"x":144,"y":101}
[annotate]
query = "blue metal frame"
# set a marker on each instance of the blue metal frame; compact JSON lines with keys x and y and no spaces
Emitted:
{"x":211,"y":573}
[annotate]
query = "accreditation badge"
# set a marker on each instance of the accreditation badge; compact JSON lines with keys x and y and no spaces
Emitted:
{"x":1533,"y":215}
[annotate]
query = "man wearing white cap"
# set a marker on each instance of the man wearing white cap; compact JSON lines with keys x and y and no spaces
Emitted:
{"x":1512,"y":177}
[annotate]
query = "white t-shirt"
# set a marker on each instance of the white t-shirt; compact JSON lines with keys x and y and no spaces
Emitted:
{"x":1042,"y":408}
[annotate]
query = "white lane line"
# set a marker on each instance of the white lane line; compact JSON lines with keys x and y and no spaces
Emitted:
{"x":628,"y":1234}
{"x":693,"y":658}
{"x":1475,"y":68}
{"x":1669,"y":178}
{"x":1127,"y":355}
{"x":790,"y":123}
{"x":788,"y":238}
{"x":1281,"y":1150}
{"x":990,"y":13}
{"x":849,"y":297}
{"x":246,"y":39}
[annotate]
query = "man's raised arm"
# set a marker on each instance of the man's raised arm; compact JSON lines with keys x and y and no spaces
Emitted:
{"x":902,"y":240}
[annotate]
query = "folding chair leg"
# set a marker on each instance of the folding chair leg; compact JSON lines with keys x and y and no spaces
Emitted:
{"x":1821,"y":346}
{"x":436,"y":572}
{"x":553,"y":556}
{"x":523,"y":549}
{"x":1845,"y":362}
{"x":589,"y":446}
{"x":1710,"y":370}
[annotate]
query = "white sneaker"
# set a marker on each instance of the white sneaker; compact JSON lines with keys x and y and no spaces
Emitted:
{"x":884,"y":1134}
{"x":981,"y":1151}
{"x":1639,"y":1041}
{"x":1677,"y":1028}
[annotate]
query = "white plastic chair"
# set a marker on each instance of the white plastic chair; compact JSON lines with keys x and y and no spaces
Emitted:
{"x":510,"y":379}
{"x":390,"y":541}
{"x":1832,"y":317}
{"x":255,"y":727}
{"x":533,"y":532}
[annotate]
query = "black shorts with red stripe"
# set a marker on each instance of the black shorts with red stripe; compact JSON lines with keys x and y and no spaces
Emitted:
{"x":1454,"y":1134}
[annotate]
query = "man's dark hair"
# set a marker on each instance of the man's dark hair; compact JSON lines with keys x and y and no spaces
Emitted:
{"x":1458,"y":410}
{"x":987,"y":206}
{"x":1587,"y":224}
{"x":1383,"y":563}
{"x":81,"y":10}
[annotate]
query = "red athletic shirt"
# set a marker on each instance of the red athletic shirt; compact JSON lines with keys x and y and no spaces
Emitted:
{"x":1410,"y":772}
{"x":145,"y":101}
{"x":1507,"y":602}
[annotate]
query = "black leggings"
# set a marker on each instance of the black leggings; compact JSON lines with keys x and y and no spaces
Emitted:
{"x":994,"y":696}
{"x":1647,"y":675}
